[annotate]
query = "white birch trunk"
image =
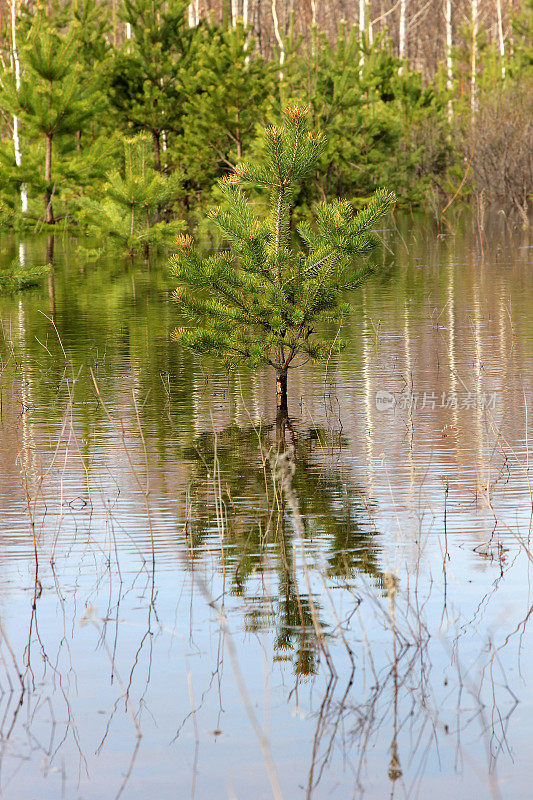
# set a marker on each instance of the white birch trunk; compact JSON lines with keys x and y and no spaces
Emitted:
{"x":473,"y":62}
{"x":234,"y":12}
{"x":402,"y":43}
{"x":500,"y":35}
{"x":449,"y":47}
{"x":245,"y":12}
{"x":16,"y":138}
{"x":362,"y":28}
{"x":194,"y":14}
{"x":279,"y":39}
{"x":128,"y":30}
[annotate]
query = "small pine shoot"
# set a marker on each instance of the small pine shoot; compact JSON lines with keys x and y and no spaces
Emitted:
{"x":261,"y":302}
{"x":19,"y":276}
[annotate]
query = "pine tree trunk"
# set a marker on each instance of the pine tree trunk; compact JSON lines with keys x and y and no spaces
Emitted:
{"x":281,"y":391}
{"x":282,"y":425}
{"x":50,"y":249}
{"x":49,"y":211}
{"x":157,"y":150}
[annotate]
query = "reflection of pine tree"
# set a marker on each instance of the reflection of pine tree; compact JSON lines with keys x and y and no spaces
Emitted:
{"x":132,"y":201}
{"x":20,"y":276}
{"x":256,"y":523}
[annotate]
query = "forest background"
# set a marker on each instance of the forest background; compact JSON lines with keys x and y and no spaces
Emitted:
{"x":117,"y":118}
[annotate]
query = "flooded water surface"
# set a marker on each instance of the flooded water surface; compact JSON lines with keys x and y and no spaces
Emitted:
{"x":199,"y":599}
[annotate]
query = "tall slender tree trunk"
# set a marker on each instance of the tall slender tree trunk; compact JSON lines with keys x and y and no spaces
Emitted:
{"x":279,"y":39}
{"x":49,"y":211}
{"x":16,"y":138}
{"x":245,"y":12}
{"x":157,"y":150}
{"x":362,"y":29}
{"x":500,"y":35}
{"x":449,"y":49}
{"x":194,"y":14}
{"x":473,"y":56}
{"x":402,"y":36}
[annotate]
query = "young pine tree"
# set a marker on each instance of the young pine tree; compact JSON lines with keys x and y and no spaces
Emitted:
{"x":147,"y":77}
{"x":129,"y":211}
{"x":261,"y":302}
{"x":52,"y":100}
{"x":230,"y":89}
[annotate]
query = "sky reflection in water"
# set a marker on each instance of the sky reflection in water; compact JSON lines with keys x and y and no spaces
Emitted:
{"x":198,"y":627}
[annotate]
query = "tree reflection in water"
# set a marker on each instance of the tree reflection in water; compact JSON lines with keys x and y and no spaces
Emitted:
{"x":256,"y":530}
{"x":389,"y":666}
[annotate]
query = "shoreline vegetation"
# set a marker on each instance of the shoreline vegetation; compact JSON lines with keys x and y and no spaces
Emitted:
{"x":118,"y":119}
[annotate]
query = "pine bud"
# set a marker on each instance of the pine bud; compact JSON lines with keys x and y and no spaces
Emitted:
{"x":183,"y":241}
{"x":296,"y":112}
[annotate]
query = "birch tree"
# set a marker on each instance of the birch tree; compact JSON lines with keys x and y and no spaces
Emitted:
{"x":473,"y":54}
{"x":449,"y":53}
{"x":501,"y":41}
{"x":16,"y":137}
{"x":279,"y":38}
{"x":362,"y":28}
{"x":402,"y":36}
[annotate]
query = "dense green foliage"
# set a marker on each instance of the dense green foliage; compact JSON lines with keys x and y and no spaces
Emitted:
{"x":201,"y":96}
{"x":261,"y":302}
{"x":135,"y":201}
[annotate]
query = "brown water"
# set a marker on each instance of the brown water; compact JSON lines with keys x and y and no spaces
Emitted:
{"x":195,"y":626}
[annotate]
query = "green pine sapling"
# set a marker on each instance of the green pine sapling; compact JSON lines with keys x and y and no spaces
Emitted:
{"x":262,"y":301}
{"x":52,"y":100}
